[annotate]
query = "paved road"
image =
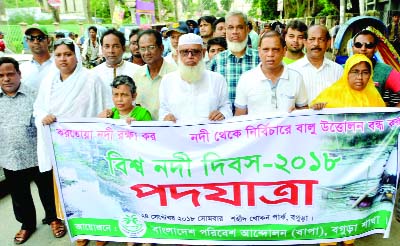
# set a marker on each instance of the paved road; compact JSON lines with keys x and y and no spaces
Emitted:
{"x":43,"y":236}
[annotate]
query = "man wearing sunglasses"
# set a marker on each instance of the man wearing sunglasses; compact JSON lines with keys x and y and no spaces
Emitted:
{"x":41,"y":64}
{"x":192,"y":92}
{"x":386,"y":79}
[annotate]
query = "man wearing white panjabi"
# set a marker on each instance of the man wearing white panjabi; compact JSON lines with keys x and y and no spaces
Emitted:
{"x":113,"y":47}
{"x":192,"y":92}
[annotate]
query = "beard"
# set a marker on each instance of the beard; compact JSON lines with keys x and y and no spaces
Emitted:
{"x":236,"y":46}
{"x":191,"y":74}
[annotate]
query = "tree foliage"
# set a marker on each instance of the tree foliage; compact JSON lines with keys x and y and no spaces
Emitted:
{"x":226,"y":4}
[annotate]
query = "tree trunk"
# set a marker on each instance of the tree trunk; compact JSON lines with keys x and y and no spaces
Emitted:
{"x":176,"y":9}
{"x":2,"y":12}
{"x":342,"y":11}
{"x":86,"y":11}
{"x":361,"y":4}
{"x":111,"y":3}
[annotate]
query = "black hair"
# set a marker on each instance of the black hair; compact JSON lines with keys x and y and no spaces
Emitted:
{"x":271,"y":34}
{"x":92,"y":28}
{"x":367,"y":32}
{"x":124,"y":80}
{"x":6,"y":59}
{"x":133,"y":32}
{"x":207,"y":18}
{"x":217,"y":41}
{"x":156,"y":34}
{"x":216,"y":22}
{"x":60,"y":35}
{"x":115,"y":32}
{"x":298,"y":26}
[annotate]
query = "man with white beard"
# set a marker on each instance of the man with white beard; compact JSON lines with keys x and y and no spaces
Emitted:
{"x":238,"y":58}
{"x":192,"y":92}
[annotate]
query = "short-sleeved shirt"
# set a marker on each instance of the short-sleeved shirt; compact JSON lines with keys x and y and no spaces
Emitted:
{"x":317,"y":79}
{"x":231,"y":67}
{"x":33,"y":73}
{"x":256,"y":93}
{"x":18,"y":135}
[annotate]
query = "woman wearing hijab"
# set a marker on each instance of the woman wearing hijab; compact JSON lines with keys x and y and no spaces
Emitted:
{"x":71,"y":91}
{"x":354,"y":89}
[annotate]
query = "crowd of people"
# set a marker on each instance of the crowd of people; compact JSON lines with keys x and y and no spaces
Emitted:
{"x":212,"y":69}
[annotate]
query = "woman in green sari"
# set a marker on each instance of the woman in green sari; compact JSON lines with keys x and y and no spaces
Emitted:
{"x":123,"y":96}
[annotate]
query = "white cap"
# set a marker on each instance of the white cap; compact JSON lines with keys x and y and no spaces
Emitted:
{"x":190,"y":38}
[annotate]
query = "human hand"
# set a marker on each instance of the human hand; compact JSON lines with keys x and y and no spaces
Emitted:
{"x":107,"y":113}
{"x":216,"y":116}
{"x":318,"y":106}
{"x":170,"y":117}
{"x":48,"y":119}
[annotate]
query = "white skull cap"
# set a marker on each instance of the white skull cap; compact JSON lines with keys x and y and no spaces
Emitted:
{"x":190,"y":38}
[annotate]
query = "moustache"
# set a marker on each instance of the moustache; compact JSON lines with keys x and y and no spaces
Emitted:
{"x":316,"y":48}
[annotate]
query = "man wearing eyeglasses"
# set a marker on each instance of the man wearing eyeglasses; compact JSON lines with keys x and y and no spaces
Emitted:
{"x":41,"y":64}
{"x":192,"y":92}
{"x":113,"y":47}
{"x":386,"y":79}
{"x":148,"y":77}
{"x":318,"y":72}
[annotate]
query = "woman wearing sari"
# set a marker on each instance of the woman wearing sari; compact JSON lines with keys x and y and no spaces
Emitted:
{"x":71,"y":91}
{"x":354,"y":89}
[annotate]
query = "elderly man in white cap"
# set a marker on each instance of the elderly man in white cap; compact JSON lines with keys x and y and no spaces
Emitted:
{"x":192,"y":92}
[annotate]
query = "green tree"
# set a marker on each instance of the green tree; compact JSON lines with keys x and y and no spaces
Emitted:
{"x":226,"y":4}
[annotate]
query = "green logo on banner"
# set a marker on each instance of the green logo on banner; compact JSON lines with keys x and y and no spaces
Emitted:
{"x":132,"y":225}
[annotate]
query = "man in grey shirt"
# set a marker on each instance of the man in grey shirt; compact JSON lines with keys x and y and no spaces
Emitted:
{"x":18,"y":155}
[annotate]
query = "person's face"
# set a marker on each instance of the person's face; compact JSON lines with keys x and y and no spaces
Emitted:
{"x":294,"y":40}
{"x":271,"y":53}
{"x":10,"y":79}
{"x":358,"y":76}
{"x":367,"y":45}
{"x":65,"y":59}
{"x":205,"y":29}
{"x":236,"y":29}
{"x":112,"y":49}
{"x":133,"y":45}
{"x":395,"y":18}
{"x":214,"y":49}
{"x":150,"y":51}
{"x":316,"y":43}
{"x":220,"y":30}
{"x":38,"y":47}
{"x":174,"y":38}
{"x":92,"y":34}
{"x":190,"y":54}
{"x":164,"y":34}
{"x":267,"y":28}
{"x":122,"y":98}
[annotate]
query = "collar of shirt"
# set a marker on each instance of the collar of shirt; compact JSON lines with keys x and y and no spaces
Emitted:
{"x":160,"y":73}
{"x":284,"y":75}
{"x":248,"y":52}
{"x":49,"y":61}
{"x":23,"y":89}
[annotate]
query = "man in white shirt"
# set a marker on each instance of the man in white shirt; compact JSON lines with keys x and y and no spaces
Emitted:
{"x":41,"y":64}
{"x":113,"y":47}
{"x":271,"y":86}
{"x":192,"y":92}
{"x":318,"y":72}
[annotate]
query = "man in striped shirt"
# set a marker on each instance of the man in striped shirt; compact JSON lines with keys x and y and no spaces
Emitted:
{"x":238,"y":58}
{"x":318,"y":72}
